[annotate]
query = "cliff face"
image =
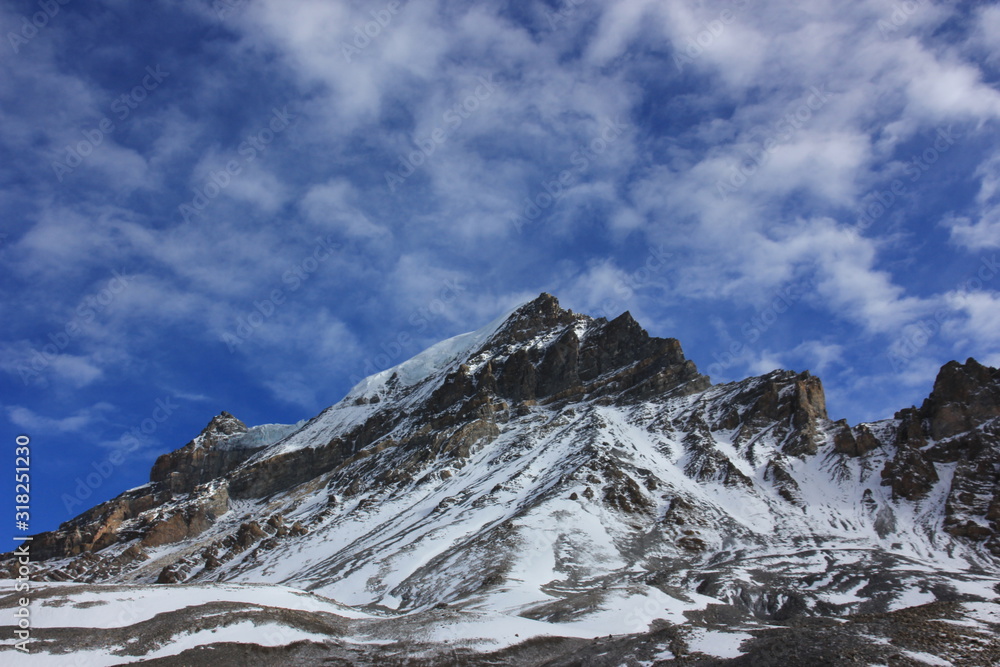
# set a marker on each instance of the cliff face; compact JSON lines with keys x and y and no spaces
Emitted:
{"x":614,"y":357}
{"x":956,"y":427}
{"x":201,"y":460}
{"x":584,"y":440}
{"x":145,"y":515}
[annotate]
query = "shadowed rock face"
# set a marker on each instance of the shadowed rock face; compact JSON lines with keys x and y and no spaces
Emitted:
{"x":965,"y":396}
{"x":957,"y":424}
{"x":200,"y":461}
{"x":616,"y":356}
{"x":961,"y":415}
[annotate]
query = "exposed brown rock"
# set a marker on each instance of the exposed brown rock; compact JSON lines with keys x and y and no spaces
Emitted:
{"x":788,"y":405}
{"x":169,"y":575}
{"x":249,"y":533}
{"x":690,"y":543}
{"x":854,"y":442}
{"x":964,"y":396}
{"x":956,"y":424}
{"x":787,"y":487}
{"x":910,"y":474}
{"x":189,"y":522}
{"x":542,"y":314}
{"x":100,"y":526}
{"x":625,"y":494}
{"x":200,"y":461}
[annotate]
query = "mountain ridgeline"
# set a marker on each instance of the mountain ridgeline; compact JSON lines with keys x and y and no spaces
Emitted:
{"x":552,"y":464}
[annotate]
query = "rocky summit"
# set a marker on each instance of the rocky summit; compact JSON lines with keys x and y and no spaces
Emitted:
{"x":550,"y":489}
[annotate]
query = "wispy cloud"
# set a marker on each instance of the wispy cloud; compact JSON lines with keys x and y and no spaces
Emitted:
{"x":42,"y":425}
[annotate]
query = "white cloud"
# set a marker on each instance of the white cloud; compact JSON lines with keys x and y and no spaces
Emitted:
{"x":980,"y":328}
{"x":419,"y":283}
{"x":987,"y":35}
{"x":601,"y":290}
{"x":764,"y":362}
{"x":37,"y":424}
{"x":983,"y":231}
{"x":333,"y":205}
{"x":619,"y":24}
{"x":40,"y":363}
{"x":982,"y":234}
{"x":941,"y":88}
{"x":818,"y":355}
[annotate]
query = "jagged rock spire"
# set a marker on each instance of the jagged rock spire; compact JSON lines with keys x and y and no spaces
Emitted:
{"x":223,"y":424}
{"x":534,"y":317}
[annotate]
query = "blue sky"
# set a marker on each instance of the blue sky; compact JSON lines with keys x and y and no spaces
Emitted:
{"x":247,"y":205}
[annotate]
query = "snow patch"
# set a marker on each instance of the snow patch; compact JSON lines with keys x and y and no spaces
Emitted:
{"x":718,"y":644}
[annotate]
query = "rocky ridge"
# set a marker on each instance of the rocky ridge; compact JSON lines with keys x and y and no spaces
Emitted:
{"x":586,"y":450}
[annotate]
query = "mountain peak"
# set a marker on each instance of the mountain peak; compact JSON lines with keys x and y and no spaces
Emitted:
{"x":544,"y":301}
{"x":200,"y":460}
{"x":222,"y":425}
{"x":964,"y":396}
{"x":534,"y":317}
{"x":588,"y":443}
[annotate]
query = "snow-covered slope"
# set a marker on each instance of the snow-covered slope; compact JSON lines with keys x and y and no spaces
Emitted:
{"x":581,"y":476}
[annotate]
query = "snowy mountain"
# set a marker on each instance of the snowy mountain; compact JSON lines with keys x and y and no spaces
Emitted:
{"x":551,"y":489}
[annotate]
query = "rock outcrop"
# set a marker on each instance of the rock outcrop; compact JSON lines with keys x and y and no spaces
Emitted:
{"x":958,"y":424}
{"x":202,"y":460}
{"x":616,"y":356}
{"x":184,"y":498}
